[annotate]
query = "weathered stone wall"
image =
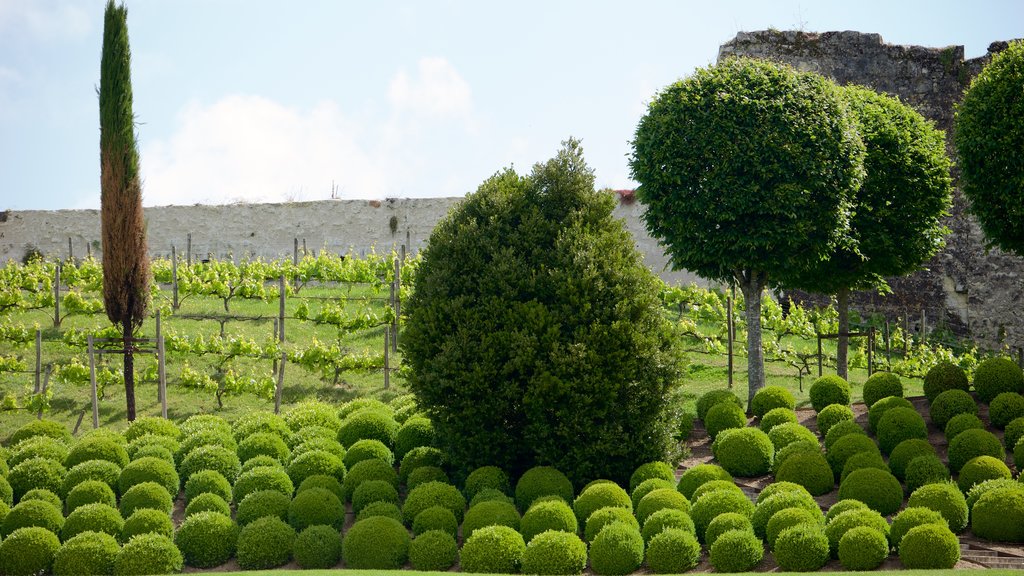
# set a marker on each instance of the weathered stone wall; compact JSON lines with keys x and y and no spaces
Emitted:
{"x":965,"y":287}
{"x":270,"y":230}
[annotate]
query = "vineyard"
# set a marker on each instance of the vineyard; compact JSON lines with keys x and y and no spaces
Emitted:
{"x":327,"y":326}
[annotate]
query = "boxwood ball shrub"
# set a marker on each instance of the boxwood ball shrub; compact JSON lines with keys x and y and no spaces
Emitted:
{"x":713,"y":397}
{"x":765,"y":509}
{"x":433,"y":494}
{"x":436,"y":550}
{"x":486,"y":477}
{"x":771,"y":397}
{"x":601,"y":495}
{"x":208,"y":482}
{"x":316,"y":506}
{"x":649,"y":471}
{"x":801,"y":548}
{"x":850,"y":519}
{"x":555,"y":552}
{"x":357,"y":404}
{"x":366,"y":449}
{"x":263,"y":443}
{"x":146,"y":495}
{"x":979,"y":469}
{"x":810,"y":470}
{"x":1013,"y":432}
{"x":880,"y":385}
{"x":312,"y":413}
{"x":33,"y":513}
{"x":973,"y":443}
{"x":265,"y":543}
{"x":961,"y":423}
{"x":323,"y":481}
{"x":316,"y":462}
{"x":149,"y":470}
{"x":664,"y":519}
{"x":672,"y":551}
{"x":102,"y":470}
{"x":724,"y":523}
{"x":93,"y":518}
{"x":999,"y":515}
{"x":839,"y":430}
{"x":87,"y":553}
{"x":318,"y":547}
{"x":260,"y":461}
{"x":648,"y":486}
{"x":831,"y":415}
{"x":792,"y":449}
{"x":950,"y":404}
{"x":974,"y":494}
{"x":1004,"y":408}
{"x":313,"y":434}
{"x":736,"y":551}
{"x":843,"y":506}
{"x":386,"y":509}
{"x":420,"y":456}
{"x":262,"y":503}
{"x":863,"y":548}
{"x":905,"y":452}
{"x":659,"y":500}
{"x":745,"y":452}
{"x":154,"y":451}
{"x":318,"y":443}
{"x":714,"y":503}
{"x":413,"y":433}
{"x":262,"y":478}
{"x":368,"y":424}
{"x":929,"y":546}
{"x":373,"y":491}
{"x":605,"y":517}
{"x":152,"y":425}
{"x":97,"y":448}
{"x":368,"y":470}
{"x":694,"y":477}
{"x":28,"y":551}
{"x":197,"y":422}
{"x":541,"y":517}
{"x":785,"y":434}
{"x":201,"y":439}
{"x":260,"y":421}
{"x":927,"y":469}
{"x":617,"y":549}
{"x":36,"y":473}
{"x":946,"y":499}
{"x":38,"y":447}
{"x":44,"y":495}
{"x":879,"y":409}
{"x":148,"y":554}
{"x":491,"y":494}
{"x":41,"y":427}
{"x":994,"y":376}
{"x":207,"y":539}
{"x":827,"y":390}
{"x":6,"y":492}
{"x":788,"y":518}
{"x":944,"y":376}
{"x":848,"y":446}
{"x":542,"y":481}
{"x":878,"y":489}
{"x":490,"y":513}
{"x":208,"y":502}
{"x":437,"y":518}
{"x":724,"y":416}
{"x":147,"y":521}
{"x":863,"y":460}
{"x":425,"y":474}
{"x":912,"y":517}
{"x":777,"y":416}
{"x":166,"y":442}
{"x":89,"y":492}
{"x":900,"y":424}
{"x":497,"y":549}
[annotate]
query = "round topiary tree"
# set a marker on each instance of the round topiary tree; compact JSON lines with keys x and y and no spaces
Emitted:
{"x":777,"y":416}
{"x":598,"y":496}
{"x":766,"y":508}
{"x":793,"y":449}
{"x":208,"y":502}
{"x":263,"y":443}
{"x":842,"y":523}
{"x":37,"y":513}
{"x":605,"y":517}
{"x":827,"y":390}
{"x":769,"y":398}
{"x":787,"y":518}
{"x":946,"y":499}
{"x":660,"y":499}
{"x":973,"y":443}
{"x":368,"y":424}
{"x":995,"y":376}
{"x":147,"y":521}
{"x":712,"y":397}
{"x":808,"y":469}
{"x":93,"y":518}
{"x":910,"y":518}
{"x":961,"y":423}
{"x":149,"y":470}
{"x":979,"y":469}
{"x":490,"y":513}
{"x":87,"y":553}
{"x":433,"y":494}
{"x":542,"y":481}
{"x":49,"y":428}
{"x":265,"y":543}
{"x":38,"y":447}
{"x":905,"y":452}
{"x":262,"y":478}
{"x":672,"y":551}
{"x":207,"y":539}
{"x":694,"y":477}
{"x":863,"y":548}
{"x":950,"y":404}
{"x":724,"y":523}
{"x":665,"y":519}
{"x":831,"y":415}
{"x":979,"y":489}
{"x":927,"y":469}
{"x":785,"y":434}
{"x":736,"y":551}
{"x":433,"y":550}
{"x":207,"y":482}
{"x":419,"y":457}
{"x":841,"y":429}
{"x":90,"y":492}
{"x":262,"y":503}
{"x":651,"y":470}
{"x":37,"y":473}
{"x":846,"y":447}
{"x":555,"y":552}
{"x":710,"y":505}
{"x":801,"y":548}
{"x":372,"y":469}
{"x":863,"y":460}
{"x":878,"y":489}
{"x":900,"y":424}
{"x":944,"y":376}
{"x":319,"y":547}
{"x":617,"y":549}
{"x":880,"y":385}
{"x":929,"y":546}
{"x":843,"y":506}
{"x":999,"y":515}
{"x":440,"y":518}
{"x":146,"y":495}
{"x":724,"y":416}
{"x":148,"y":554}
{"x":744,"y":452}
{"x":478,"y":275}
{"x":413,"y":433}
{"x":1004,"y":408}
{"x":316,"y":506}
{"x":316,"y":462}
{"x":1013,"y":432}
{"x":492,"y":549}
{"x":486,"y":477}
{"x":544,"y":516}
{"x":29,"y":550}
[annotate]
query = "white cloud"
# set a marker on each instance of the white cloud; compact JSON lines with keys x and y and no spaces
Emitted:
{"x":248,"y":148}
{"x":47,"y":19}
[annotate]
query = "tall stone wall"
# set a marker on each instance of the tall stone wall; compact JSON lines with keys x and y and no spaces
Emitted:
{"x":965,"y":287}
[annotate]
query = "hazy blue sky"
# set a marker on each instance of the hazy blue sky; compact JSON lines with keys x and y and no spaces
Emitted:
{"x":247,"y":100}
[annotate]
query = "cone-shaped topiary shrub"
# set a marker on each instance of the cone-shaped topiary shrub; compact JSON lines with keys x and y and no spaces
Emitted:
{"x":880,"y":385}
{"x":827,"y":390}
{"x":318,"y":547}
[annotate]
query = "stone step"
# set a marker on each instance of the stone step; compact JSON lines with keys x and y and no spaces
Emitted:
{"x":979,"y":553}
{"x":1007,"y":563}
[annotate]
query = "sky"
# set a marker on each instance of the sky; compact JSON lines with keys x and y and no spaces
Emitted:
{"x":258,"y":101}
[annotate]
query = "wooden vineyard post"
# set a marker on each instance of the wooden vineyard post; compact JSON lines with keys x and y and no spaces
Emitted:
{"x":819,"y":355}
{"x":280,"y":312}
{"x":39,"y":358}
{"x":906,"y":333}
{"x":280,"y":383}
{"x":46,"y":383}
{"x":924,"y":320}
{"x":174,"y":278}
{"x":188,"y":250}
{"x":730,"y":334}
{"x":56,"y":297}
{"x":88,"y":255}
{"x":275,"y":337}
{"x":71,"y":252}
{"x":871,"y":350}
{"x":92,"y":384}
{"x":295,"y":253}
{"x":161,"y":368}
{"x":304,"y":251}
{"x":397,"y":304}
{"x":387,"y":357}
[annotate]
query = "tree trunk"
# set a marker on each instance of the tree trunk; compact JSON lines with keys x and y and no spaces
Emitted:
{"x":843,"y":343}
{"x":129,"y":372}
{"x":752,"y":285}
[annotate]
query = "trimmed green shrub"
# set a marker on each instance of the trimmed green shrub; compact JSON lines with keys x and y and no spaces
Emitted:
{"x":850,"y":519}
{"x":197,"y":422}
{"x":944,"y":376}
{"x":38,"y":513}
{"x":435,"y":550}
{"x":839,"y":430}
{"x":672,"y":551}
{"x":1004,"y":408}
{"x":736,"y":551}
{"x":207,"y":482}
{"x":555,"y":552}
{"x":316,"y":506}
{"x":930,"y":547}
{"x":946,"y":499}
{"x":430,"y":494}
{"x":993,"y":376}
{"x":486,"y":477}
{"x":648,"y":486}
{"x":788,"y":518}
{"x":980,"y":469}
{"x":202,"y":439}
{"x":148,"y":554}
{"x":318,"y":548}
{"x":777,"y":416}
{"x":97,"y":449}
{"x":744,"y":452}
{"x":260,"y":462}
{"x":651,"y":470}
{"x":360,"y":403}
{"x":38,"y":447}
{"x":206,"y":539}
{"x":317,"y":443}
{"x":366,"y":449}
{"x":863,"y":548}
{"x":216,"y":458}
{"x":102,"y":470}
{"x":170,"y":444}
{"x":492,"y":513}
{"x":724,"y":416}
{"x":415,"y":432}
{"x":714,"y":503}
{"x":831,"y":415}
{"x":692,"y":478}
{"x":262,"y":478}
{"x":368,"y":425}
{"x":810,"y":470}
{"x":368,"y":470}
{"x":801,"y":548}
{"x":785,"y":434}
{"x":906,"y":451}
{"x":149,"y":470}
{"x":146,"y":495}
{"x":659,"y":500}
{"x":664,"y":519}
{"x":880,"y":385}
{"x":605,"y":517}
{"x":89,"y":492}
{"x":878,"y":489}
{"x":927,"y":469}
{"x":312,"y":413}
{"x":792,"y":449}
{"x":44,"y":495}
{"x":386,"y":509}
{"x":844,"y":506}
{"x":152,"y":425}
{"x":599,"y":496}
{"x":617,"y":549}
{"x":87,"y":553}
{"x":36,"y":473}
{"x":147,"y":521}
{"x":208,"y":502}
{"x":373,"y":491}
{"x":498,"y":549}
{"x":420,"y":456}
{"x":974,"y":494}
{"x":961,"y":423}
{"x":715,"y":485}
{"x":544,"y":516}
{"x":779,"y":487}
{"x":897,"y":425}
{"x":848,"y":446}
{"x":542,"y":481}
{"x":1018,"y":454}
{"x":950,"y":404}
{"x":313,"y":434}
{"x":263,"y":443}
{"x":265,"y":543}
{"x":423,"y":474}
{"x":973,"y":443}
{"x":33,"y":428}
{"x":768,"y":507}
{"x":253,"y":422}
{"x":154,"y":451}
{"x":435,"y":518}
{"x":909,"y":518}
{"x":1013,"y":433}
{"x":714,"y":397}
{"x":827,"y":390}
{"x":724,"y":523}
{"x":28,"y":551}
{"x":323,"y":481}
{"x":879,"y":409}
{"x":488,"y":494}
{"x":92,"y":517}
{"x":771,"y":397}
{"x":863,"y":460}
{"x":262,"y":503}
{"x":999,"y":515}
